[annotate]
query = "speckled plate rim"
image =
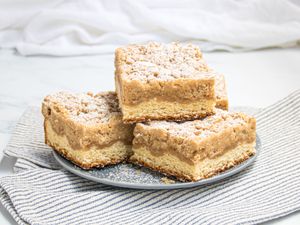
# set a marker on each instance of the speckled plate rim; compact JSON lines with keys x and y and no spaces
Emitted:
{"x":69,"y":166}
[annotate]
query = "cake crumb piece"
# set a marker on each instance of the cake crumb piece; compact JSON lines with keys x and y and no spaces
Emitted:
{"x":138,"y":171}
{"x":167,"y":180}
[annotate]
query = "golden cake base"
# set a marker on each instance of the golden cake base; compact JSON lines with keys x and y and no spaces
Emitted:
{"x":172,"y":166}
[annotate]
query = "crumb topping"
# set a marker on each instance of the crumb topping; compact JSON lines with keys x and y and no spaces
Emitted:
{"x":155,"y":61}
{"x":202,"y":128}
{"x":85,"y":108}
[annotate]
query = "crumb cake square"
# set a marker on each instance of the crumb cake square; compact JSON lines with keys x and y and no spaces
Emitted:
{"x":221,"y":92}
{"x":87,"y":129}
{"x":163,"y":82}
{"x":195,"y":150}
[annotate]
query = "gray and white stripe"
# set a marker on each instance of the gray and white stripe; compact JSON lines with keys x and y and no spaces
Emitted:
{"x":43,"y":193}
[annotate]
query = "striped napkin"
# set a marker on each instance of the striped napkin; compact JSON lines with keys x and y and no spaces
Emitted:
{"x":41,"y":192}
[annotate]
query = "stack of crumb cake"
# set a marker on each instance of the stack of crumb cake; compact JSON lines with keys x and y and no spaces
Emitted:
{"x":169,"y":113}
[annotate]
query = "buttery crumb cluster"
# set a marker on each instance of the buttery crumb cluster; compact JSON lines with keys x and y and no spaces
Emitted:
{"x":86,"y":108}
{"x":155,"y":61}
{"x":204,"y":127}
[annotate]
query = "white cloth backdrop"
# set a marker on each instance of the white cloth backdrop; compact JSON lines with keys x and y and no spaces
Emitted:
{"x":60,"y":27}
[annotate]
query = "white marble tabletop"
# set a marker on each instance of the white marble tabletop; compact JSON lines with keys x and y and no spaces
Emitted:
{"x":255,"y":79}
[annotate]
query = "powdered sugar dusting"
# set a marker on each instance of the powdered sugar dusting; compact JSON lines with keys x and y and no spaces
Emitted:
{"x":201,"y":128}
{"x":85,"y":108}
{"x":155,"y":61}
